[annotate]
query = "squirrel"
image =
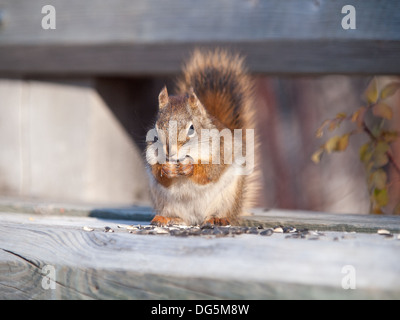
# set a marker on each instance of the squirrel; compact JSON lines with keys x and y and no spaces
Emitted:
{"x":215,"y":94}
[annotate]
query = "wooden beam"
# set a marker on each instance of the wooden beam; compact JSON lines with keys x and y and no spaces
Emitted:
{"x":369,"y":223}
{"x":312,"y":220}
{"x":120,"y":265}
{"x":151,"y":37}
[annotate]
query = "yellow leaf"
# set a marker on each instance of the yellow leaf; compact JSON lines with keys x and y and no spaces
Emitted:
{"x":371,"y":94}
{"x":341,"y":115}
{"x":316,"y":156}
{"x":389,"y":90}
{"x":343,"y":142}
{"x":331,"y":144}
{"x":382,"y":110}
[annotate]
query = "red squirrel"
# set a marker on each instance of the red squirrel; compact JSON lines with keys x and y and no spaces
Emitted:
{"x":194,"y":180}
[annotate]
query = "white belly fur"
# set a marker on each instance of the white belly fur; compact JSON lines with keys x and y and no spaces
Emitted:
{"x":193,"y":202}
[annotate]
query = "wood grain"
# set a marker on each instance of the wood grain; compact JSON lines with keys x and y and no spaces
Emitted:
{"x":323,"y":221}
{"x":135,"y":37}
{"x":119,"y":265}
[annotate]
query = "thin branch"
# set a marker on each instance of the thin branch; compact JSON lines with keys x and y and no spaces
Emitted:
{"x":393,"y":162}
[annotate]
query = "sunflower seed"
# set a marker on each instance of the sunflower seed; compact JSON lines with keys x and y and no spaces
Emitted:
{"x":87,"y":228}
{"x":278,"y":230}
{"x":383,"y":232}
{"x":206,"y":231}
{"x":252,"y":230}
{"x":267,"y":232}
{"x":159,"y":230}
{"x":194,"y":232}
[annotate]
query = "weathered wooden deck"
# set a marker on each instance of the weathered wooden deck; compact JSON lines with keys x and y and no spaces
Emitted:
{"x":119,"y":265}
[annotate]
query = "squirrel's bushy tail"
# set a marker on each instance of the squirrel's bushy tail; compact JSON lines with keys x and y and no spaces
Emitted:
{"x":221,"y":82}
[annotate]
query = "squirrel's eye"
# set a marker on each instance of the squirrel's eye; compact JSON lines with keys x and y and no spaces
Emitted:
{"x":191,"y":131}
{"x":155,"y":139}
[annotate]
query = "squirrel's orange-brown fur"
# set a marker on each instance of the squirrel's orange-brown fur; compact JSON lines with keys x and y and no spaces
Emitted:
{"x":220,"y":82}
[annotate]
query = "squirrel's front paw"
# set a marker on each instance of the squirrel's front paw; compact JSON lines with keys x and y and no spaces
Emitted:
{"x":217,"y":221}
{"x":186,"y":167}
{"x":162,"y":221}
{"x":169,"y":169}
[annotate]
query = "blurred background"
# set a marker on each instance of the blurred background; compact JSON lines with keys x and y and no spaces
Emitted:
{"x":76,"y":101}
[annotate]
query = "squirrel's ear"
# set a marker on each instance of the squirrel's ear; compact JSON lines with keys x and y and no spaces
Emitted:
{"x":163,"y":98}
{"x":195,"y":103}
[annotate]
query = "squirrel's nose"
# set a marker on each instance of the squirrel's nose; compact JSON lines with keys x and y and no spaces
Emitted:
{"x":172,"y":153}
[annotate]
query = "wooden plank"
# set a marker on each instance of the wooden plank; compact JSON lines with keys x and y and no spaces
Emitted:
{"x":112,"y":211}
{"x":323,"y":221}
{"x":267,"y":217}
{"x":136,"y":37}
{"x":275,"y":56}
{"x":63,"y":130}
{"x":98,"y":265}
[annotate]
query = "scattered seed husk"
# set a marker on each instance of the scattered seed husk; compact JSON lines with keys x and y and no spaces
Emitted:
{"x":108,"y":229}
{"x":267,"y":232}
{"x":278,"y":230}
{"x":252,"y":230}
{"x":160,"y":230}
{"x":213,"y":231}
{"x":383,"y":232}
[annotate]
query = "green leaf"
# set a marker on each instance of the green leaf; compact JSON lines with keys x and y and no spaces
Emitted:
{"x":379,"y":156}
{"x":381,"y":160}
{"x":381,"y":197}
{"x":382,"y":147}
{"x":389,"y":90}
{"x":382,"y":110}
{"x":379,"y":179}
{"x":371,"y":94}
{"x":365,"y":153}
